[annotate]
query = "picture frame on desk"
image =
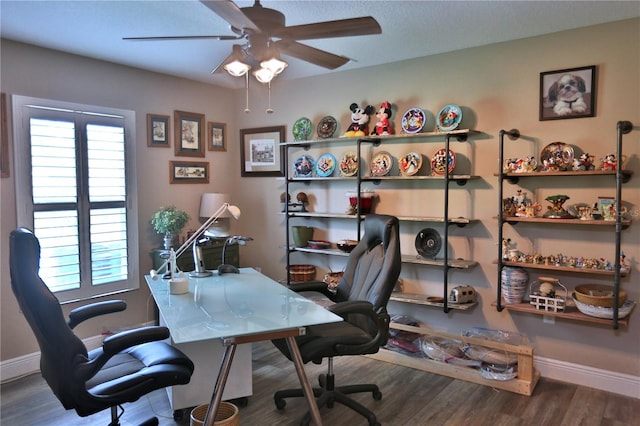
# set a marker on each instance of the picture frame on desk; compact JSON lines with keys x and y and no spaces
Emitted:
{"x":189,"y":134}
{"x":158,"y":131}
{"x":260,"y":152}
{"x":188,"y":172}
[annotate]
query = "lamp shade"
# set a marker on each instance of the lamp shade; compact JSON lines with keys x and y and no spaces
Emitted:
{"x":211,"y":202}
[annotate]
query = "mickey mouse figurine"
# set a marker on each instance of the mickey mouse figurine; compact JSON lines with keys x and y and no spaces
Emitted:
{"x":383,"y":127}
{"x":359,"y":120}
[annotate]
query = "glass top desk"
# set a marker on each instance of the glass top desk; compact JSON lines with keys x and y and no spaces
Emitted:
{"x":239,"y":308}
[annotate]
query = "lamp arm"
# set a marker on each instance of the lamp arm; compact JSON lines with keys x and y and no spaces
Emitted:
{"x":191,"y":239}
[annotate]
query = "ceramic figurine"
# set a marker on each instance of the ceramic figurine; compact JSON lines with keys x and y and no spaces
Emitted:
{"x":583,"y":163}
{"x":359,"y":120}
{"x":383,"y":126}
{"x":609,"y":162}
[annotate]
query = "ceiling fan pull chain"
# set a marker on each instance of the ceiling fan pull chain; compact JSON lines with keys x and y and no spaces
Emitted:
{"x":246,"y":85}
{"x":269,"y":109}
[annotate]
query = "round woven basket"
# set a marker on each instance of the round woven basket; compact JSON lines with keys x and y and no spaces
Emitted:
{"x":598,"y":295}
{"x":227,"y":415}
{"x":302,"y":273}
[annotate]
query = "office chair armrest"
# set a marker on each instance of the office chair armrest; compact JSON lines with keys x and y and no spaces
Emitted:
{"x":353,"y":307}
{"x":86,"y":368}
{"x":317,"y":286}
{"x":82,"y":313}
{"x":126,"y":339}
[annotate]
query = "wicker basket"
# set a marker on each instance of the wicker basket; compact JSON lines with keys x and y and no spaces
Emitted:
{"x":599,"y":295}
{"x":544,"y":294}
{"x":227,"y":415}
{"x":302,"y":273}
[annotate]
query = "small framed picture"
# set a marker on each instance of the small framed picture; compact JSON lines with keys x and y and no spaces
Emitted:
{"x":217,"y":134}
{"x":158,"y":131}
{"x":188,"y":172}
{"x":189,"y":134}
{"x":4,"y":138}
{"x":568,"y":93}
{"x":260,"y":151}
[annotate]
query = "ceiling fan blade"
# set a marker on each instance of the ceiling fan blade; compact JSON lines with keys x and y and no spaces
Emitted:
{"x":329,"y":29}
{"x":194,"y":37}
{"x":311,"y":54}
{"x":227,"y":10}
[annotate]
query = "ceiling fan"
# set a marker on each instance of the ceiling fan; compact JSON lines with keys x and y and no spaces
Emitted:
{"x":264,"y":29}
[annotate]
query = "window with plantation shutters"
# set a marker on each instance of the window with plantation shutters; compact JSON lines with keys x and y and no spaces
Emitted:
{"x":76,"y":191}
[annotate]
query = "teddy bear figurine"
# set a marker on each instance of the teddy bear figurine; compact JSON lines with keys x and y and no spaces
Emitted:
{"x":383,"y":126}
{"x":359,"y":120}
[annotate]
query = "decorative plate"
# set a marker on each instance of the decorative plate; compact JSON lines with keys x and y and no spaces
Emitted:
{"x":349,"y":164}
{"x":327,"y":127}
{"x":381,"y":164}
{"x":303,"y":166}
{"x":557,"y":156}
{"x":439,"y":162}
{"x":449,"y":118}
{"x":302,"y":129}
{"x":410,"y":163}
{"x":428,"y":243}
{"x":325,"y":165}
{"x":413,"y":120}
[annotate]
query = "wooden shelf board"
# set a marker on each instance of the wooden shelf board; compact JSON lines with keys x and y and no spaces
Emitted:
{"x":453,"y":263}
{"x":562,"y":268}
{"x":523,"y":387}
{"x":421,"y":299}
{"x":567,"y":173}
{"x":452,"y":220}
{"x":570,"y":313}
{"x":509,"y":219}
{"x":375,"y":138}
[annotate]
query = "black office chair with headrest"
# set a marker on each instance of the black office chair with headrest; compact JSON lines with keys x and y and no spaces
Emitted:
{"x":361,"y":298}
{"x":127,"y":366}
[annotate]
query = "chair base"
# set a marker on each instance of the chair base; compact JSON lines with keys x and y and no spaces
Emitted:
{"x":327,"y":394}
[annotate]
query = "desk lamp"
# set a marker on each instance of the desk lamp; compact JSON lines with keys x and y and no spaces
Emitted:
{"x":171,"y":262}
{"x":236,"y":239}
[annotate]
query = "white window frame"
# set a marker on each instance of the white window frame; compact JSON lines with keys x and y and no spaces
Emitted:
{"x":22,"y":105}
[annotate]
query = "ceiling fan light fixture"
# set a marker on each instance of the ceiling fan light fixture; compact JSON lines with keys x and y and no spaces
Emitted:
{"x":264,"y":75}
{"x":275,"y":65}
{"x":237,"y":68}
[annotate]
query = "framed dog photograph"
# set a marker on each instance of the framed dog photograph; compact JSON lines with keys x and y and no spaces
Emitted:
{"x":568,"y":93}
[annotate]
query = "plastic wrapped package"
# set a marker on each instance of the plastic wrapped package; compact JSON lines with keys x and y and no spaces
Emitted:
{"x":445,"y":350}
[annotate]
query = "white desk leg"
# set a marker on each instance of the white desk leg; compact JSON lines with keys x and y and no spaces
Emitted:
{"x":225,"y":367}
{"x":304,"y":382}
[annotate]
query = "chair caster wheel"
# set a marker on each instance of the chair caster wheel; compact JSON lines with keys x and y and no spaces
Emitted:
{"x":280,"y":403}
{"x":178,"y":415}
{"x":377,"y":395}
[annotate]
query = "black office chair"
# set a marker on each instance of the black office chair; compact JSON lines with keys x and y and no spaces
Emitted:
{"x":371,"y":273}
{"x":127,"y":366}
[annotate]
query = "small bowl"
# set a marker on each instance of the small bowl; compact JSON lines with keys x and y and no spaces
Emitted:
{"x":347,"y":245}
{"x":319,"y":244}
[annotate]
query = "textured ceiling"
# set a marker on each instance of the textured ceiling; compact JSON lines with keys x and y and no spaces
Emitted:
{"x":410,"y":29}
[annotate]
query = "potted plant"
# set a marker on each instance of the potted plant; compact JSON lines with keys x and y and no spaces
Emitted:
{"x":169,"y":221}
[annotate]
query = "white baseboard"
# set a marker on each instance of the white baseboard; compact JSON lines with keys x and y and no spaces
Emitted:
{"x":623,"y":384}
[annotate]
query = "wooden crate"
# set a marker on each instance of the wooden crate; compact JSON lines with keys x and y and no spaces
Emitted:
{"x":523,"y":384}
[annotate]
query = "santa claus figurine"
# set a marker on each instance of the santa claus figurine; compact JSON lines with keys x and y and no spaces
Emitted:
{"x":383,"y":126}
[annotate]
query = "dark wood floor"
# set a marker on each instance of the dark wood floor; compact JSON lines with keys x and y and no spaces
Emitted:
{"x":410,"y":397}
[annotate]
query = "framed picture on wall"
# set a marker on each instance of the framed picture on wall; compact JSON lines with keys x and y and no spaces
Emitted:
{"x":4,"y":137}
{"x":217,"y":134}
{"x":189,"y":134}
{"x":568,"y":93}
{"x":188,"y":172}
{"x":158,"y":131}
{"x":260,"y":151}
